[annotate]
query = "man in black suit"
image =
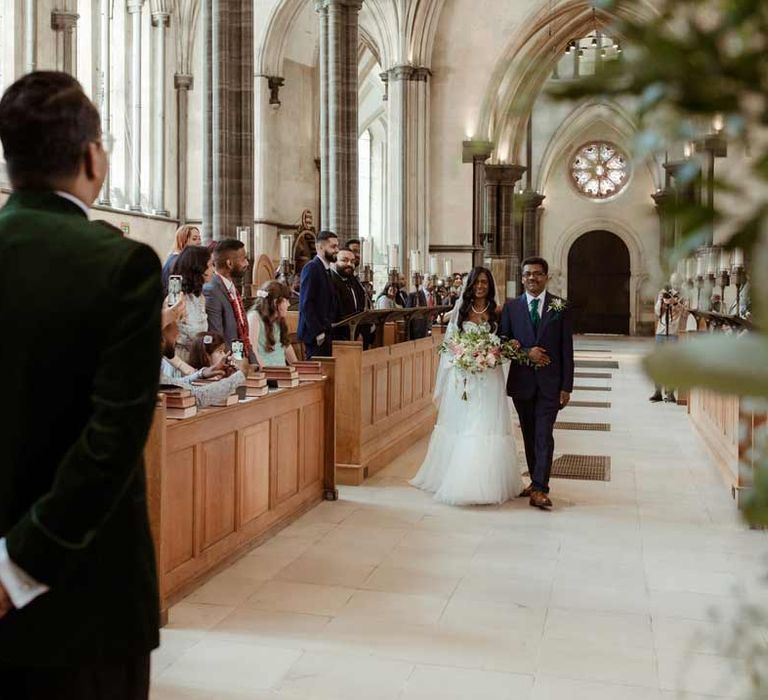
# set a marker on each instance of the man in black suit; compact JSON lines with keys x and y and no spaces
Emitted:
{"x":419,"y":327}
{"x":317,"y":299}
{"x":541,"y":323}
{"x":351,"y":297}
{"x":78,"y":588}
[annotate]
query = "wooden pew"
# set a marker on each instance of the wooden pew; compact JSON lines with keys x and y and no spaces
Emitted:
{"x":383,"y":403}
{"x":223,"y":481}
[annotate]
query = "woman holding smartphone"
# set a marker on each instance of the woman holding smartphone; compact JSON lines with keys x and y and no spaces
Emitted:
{"x":195,"y":267}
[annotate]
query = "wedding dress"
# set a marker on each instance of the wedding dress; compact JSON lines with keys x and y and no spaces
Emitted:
{"x":472,"y":457}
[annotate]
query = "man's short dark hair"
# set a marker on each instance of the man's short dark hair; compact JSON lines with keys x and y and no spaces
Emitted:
{"x":326,"y":235}
{"x":46,"y":124}
{"x":351,"y":242}
{"x":224,"y":248}
{"x":535,"y":260}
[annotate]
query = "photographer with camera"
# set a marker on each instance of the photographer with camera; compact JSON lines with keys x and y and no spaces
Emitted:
{"x":671,"y":313}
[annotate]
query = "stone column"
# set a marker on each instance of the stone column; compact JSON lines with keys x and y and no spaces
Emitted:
{"x":338,"y":115}
{"x":103,"y":84}
{"x":64,"y":24}
{"x":476,"y":153}
{"x":134,"y":106}
{"x":228,"y":118}
{"x":665,"y":200}
{"x":531,"y":216}
{"x":503,"y":253}
{"x":266,"y":105}
{"x":161,"y":19}
{"x":30,"y":35}
{"x":408,"y":172}
{"x":182,"y":83}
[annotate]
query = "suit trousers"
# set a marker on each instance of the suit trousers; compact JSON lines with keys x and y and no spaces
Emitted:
{"x":537,"y":421}
{"x":121,"y":679}
{"x":325,"y":350}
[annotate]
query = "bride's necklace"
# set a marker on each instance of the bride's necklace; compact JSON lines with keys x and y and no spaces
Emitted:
{"x":480,"y":313}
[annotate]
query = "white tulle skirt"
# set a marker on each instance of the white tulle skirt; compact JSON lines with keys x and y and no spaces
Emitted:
{"x":472,"y":457}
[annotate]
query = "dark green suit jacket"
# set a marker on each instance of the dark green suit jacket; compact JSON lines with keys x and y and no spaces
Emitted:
{"x":80,"y":351}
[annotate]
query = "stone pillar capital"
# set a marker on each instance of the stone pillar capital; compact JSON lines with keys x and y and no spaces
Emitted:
{"x":63,"y":21}
{"x":506,"y":174}
{"x":161,"y":19}
{"x":663,"y":198}
{"x":355,"y":5}
{"x":476,"y":151}
{"x":532,"y":200}
{"x":408,"y":72}
{"x":134,"y":6}
{"x":182,"y":81}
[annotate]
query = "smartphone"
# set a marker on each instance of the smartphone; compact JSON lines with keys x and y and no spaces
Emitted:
{"x":174,"y":289}
{"x":237,"y":350}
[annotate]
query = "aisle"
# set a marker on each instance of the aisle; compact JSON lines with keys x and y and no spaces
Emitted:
{"x":389,"y":595}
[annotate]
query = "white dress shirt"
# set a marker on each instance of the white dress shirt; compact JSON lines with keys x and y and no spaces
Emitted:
{"x":74,"y":200}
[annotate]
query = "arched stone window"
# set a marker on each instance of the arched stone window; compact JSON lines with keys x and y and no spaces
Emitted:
{"x":599,"y":170}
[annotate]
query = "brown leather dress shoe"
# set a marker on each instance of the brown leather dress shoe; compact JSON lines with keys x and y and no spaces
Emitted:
{"x":526,"y":492}
{"x":539,"y":499}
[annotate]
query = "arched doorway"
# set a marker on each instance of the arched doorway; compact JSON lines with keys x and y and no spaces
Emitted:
{"x":598,"y":283}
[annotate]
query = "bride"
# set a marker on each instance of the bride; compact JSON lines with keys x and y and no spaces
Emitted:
{"x":472,"y":457}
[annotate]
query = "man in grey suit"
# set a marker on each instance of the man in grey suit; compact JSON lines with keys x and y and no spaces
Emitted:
{"x":223,"y":304}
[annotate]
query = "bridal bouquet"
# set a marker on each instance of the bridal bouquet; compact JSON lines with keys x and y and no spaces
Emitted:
{"x":472,"y":352}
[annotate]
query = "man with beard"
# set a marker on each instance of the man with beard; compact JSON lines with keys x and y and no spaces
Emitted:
{"x":317,"y":299}
{"x":223,"y":303}
{"x":354,"y":246}
{"x":205,"y":394}
{"x":351,"y":297}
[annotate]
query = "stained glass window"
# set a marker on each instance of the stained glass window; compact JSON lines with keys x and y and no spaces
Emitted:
{"x":599,"y":170}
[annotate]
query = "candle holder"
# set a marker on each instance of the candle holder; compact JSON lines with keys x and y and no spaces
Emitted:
{"x":739,"y":278}
{"x":699,"y":287}
{"x":724,"y":280}
{"x":393,"y":276}
{"x":366,"y":279}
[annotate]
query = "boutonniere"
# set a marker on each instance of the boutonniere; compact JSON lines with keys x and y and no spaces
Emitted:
{"x":557,"y":306}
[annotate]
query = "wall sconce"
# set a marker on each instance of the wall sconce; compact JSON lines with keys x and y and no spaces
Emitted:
{"x":275,"y":83}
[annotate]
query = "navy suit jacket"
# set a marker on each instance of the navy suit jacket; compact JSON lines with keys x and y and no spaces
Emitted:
{"x":555,"y":335}
{"x":317,"y":302}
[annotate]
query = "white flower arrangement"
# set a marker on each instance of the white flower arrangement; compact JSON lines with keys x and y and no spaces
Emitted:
{"x":207,"y":339}
{"x":261,"y":294}
{"x":557,"y":306}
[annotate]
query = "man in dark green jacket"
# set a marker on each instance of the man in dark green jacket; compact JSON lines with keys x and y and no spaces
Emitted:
{"x":78,"y":587}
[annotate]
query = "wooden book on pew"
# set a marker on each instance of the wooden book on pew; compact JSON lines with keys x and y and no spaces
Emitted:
{"x":230,"y":400}
{"x":178,"y":397}
{"x":256,"y":385}
{"x":180,"y":413}
{"x":309,"y":371}
{"x":282,"y":377}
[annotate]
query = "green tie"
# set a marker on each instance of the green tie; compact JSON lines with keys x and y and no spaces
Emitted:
{"x":535,"y":318}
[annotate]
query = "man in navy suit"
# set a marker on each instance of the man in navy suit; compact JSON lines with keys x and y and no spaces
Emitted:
{"x":317,"y":299}
{"x":540,"y":322}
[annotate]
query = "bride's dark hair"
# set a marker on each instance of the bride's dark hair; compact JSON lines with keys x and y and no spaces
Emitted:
{"x":468,"y":297}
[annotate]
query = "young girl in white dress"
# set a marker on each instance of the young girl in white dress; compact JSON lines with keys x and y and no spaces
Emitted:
{"x":472,"y":457}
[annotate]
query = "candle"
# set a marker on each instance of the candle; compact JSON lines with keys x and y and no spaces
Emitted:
{"x":433,"y":264}
{"x":415,"y":261}
{"x":448,"y":267}
{"x":285,"y":246}
{"x":712,"y":261}
{"x":363,"y":256}
{"x":725,"y":260}
{"x":699,"y":265}
{"x":368,"y":247}
{"x":394,"y":256}
{"x":690,"y":268}
{"x":738,"y":257}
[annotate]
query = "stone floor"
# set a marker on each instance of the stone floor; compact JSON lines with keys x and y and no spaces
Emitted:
{"x":386,"y":594}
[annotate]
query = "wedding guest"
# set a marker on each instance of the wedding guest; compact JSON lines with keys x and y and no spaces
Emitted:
{"x":186,"y":235}
{"x":354,"y":245}
{"x":223,"y":303}
{"x":671,"y":314}
{"x":418,"y":327}
{"x":269,"y":330}
{"x":402,"y":290}
{"x":208,"y":349}
{"x":78,"y":585}
{"x":205,"y":394}
{"x":388,"y":298}
{"x":351,"y":297}
{"x":317,"y":299}
{"x":195,"y":267}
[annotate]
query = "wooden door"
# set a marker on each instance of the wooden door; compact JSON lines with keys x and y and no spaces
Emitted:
{"x":598,"y":284}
